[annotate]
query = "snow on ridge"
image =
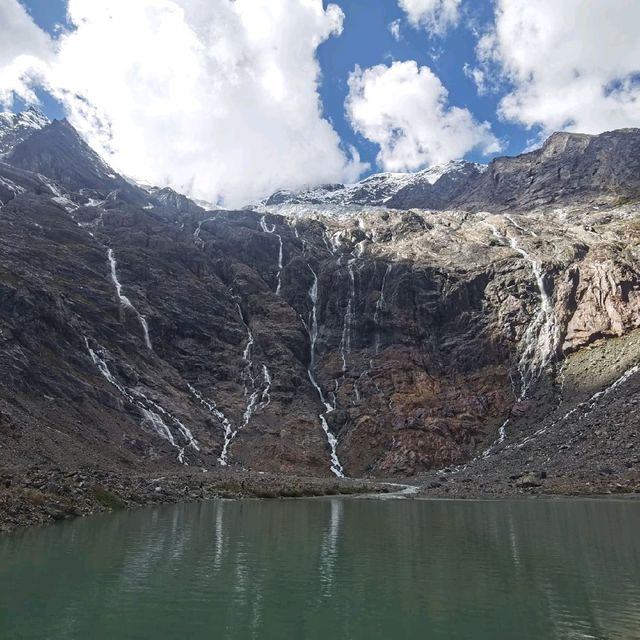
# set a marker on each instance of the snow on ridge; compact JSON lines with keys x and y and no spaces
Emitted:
{"x":31,"y":118}
{"x":374,"y":190}
{"x":16,"y":127}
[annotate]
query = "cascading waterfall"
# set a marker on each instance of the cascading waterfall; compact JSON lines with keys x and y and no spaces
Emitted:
{"x":540,"y":340}
{"x":265,"y":398}
{"x":247,"y":372}
{"x":519,"y":227}
{"x":147,"y":406}
{"x":258,"y":397}
{"x":271,"y":230}
{"x":212,"y":407}
{"x":183,"y":430}
{"x":380,"y":308}
{"x":312,"y":327}
{"x":198,"y":229}
{"x":124,"y":301}
{"x":345,"y":343}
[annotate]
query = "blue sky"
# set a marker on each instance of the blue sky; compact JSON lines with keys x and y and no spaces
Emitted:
{"x":222,"y":100}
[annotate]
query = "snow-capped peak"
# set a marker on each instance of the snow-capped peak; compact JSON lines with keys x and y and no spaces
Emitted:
{"x":17,"y":127}
{"x":433,"y":174}
{"x":380,"y":189}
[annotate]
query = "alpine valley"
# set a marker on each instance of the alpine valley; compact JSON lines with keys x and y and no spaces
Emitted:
{"x":475,"y":328}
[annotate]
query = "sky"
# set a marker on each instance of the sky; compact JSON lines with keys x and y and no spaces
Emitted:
{"x":230,"y":100}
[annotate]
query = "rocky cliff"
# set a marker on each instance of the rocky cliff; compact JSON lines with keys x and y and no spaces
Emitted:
{"x":138,"y":329}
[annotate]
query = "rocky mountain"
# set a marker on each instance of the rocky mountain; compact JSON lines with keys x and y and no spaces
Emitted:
{"x":138,"y":330}
{"x":432,"y":188}
{"x":568,"y":169}
{"x":17,"y":127}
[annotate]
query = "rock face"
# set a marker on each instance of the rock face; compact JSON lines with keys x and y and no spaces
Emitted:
{"x":137,"y":329}
{"x":570,"y":168}
{"x":57,"y":152}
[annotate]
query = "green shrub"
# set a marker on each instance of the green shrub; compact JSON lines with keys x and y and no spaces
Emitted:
{"x":108,"y":499}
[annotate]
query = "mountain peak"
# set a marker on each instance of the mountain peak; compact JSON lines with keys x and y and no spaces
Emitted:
{"x":17,"y":127}
{"x":428,"y":188}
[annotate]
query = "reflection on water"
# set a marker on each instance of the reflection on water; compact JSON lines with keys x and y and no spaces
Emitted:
{"x":330,"y":569}
{"x":329,"y":545}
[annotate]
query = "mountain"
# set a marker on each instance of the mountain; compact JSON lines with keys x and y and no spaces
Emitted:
{"x":432,"y":187}
{"x":569,"y":168}
{"x":17,"y":127}
{"x":59,"y":153}
{"x":481,"y":353}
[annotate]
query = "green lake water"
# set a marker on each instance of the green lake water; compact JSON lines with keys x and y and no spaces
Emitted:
{"x":330,"y":569}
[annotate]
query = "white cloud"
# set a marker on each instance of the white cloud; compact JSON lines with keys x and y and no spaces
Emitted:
{"x":404,"y":109}
{"x":434,"y":15}
{"x":570,"y":65}
{"x":394,"y":29}
{"x":23,"y":48}
{"x":212,"y":97}
{"x":478,"y":76}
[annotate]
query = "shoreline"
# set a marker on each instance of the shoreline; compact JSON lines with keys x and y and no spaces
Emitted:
{"x":41,"y":496}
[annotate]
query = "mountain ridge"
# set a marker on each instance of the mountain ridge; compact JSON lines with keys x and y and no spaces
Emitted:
{"x":464,"y":185}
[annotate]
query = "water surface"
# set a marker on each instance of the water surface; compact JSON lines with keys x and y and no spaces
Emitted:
{"x":334,"y":568}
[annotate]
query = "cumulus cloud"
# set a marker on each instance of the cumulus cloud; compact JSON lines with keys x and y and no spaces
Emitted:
{"x":24,"y":48}
{"x":572,"y":65}
{"x":217,"y":98}
{"x":404,"y":109}
{"x":434,"y":15}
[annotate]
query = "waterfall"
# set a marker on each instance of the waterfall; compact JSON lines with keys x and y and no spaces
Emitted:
{"x":212,"y":407}
{"x":380,"y":308}
{"x":312,"y":327}
{"x":265,"y":399}
{"x":247,"y":372}
{"x":259,"y":398}
{"x":519,"y":227}
{"x":271,"y":230}
{"x":540,"y":340}
{"x":345,"y":343}
{"x":196,"y":233}
{"x":151,"y":411}
{"x":124,"y":301}
{"x":183,"y":430}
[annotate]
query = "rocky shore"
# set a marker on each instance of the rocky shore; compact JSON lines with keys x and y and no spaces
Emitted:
{"x":39,"y":496}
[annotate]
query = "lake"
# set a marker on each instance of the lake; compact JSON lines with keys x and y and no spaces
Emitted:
{"x":330,"y":568}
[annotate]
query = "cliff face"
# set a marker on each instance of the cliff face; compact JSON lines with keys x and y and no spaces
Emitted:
{"x":568,"y":169}
{"x":138,"y":329}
